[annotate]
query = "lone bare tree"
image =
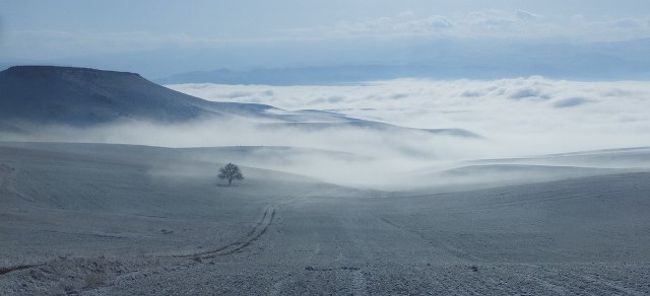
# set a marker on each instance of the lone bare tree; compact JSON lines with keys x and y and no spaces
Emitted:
{"x":230,"y":172}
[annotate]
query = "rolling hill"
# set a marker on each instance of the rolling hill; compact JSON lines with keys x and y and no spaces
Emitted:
{"x":82,"y":96}
{"x":45,"y":95}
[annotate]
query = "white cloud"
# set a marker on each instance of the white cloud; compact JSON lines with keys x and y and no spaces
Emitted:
{"x":517,"y":116}
{"x":488,"y":24}
{"x":44,"y":43}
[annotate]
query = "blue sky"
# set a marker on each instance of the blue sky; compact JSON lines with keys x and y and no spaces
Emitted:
{"x":293,"y":32}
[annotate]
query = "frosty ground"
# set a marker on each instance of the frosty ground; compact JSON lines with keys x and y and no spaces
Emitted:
{"x":100,"y":219}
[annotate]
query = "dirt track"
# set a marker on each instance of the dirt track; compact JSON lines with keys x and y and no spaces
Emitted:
{"x":237,"y":246}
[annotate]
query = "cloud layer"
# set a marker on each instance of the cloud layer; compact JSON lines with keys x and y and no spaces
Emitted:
{"x":491,"y":23}
{"x":54,"y":43}
{"x":517,"y":116}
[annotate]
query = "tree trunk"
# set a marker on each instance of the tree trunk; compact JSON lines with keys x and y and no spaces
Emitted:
{"x":229,"y":182}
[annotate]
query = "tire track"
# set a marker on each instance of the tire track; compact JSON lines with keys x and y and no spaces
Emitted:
{"x":258,"y":230}
{"x":5,"y":270}
{"x":7,"y":175}
{"x":358,"y":285}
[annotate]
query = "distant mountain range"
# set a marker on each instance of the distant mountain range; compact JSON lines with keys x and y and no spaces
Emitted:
{"x":589,"y":65}
{"x":626,"y":60}
{"x":302,"y":75}
{"x":319,"y":62}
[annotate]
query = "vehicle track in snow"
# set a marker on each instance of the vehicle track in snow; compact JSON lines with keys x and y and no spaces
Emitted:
{"x":237,"y":246}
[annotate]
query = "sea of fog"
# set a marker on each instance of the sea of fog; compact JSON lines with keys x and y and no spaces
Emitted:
{"x":519,"y":116}
{"x":512,"y":118}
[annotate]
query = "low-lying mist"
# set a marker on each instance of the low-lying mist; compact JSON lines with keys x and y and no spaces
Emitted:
{"x":518,"y":116}
{"x":515,"y":117}
{"x":343,"y":155}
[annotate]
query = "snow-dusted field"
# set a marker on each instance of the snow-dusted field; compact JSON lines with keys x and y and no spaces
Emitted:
{"x":386,"y":147}
{"x":393,"y":187}
{"x":98,"y":219}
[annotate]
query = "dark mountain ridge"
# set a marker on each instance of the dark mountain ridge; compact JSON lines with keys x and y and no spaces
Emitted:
{"x":83,"y":96}
{"x":31,"y":96}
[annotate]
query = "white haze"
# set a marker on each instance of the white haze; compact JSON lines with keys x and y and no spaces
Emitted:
{"x":516,"y":116}
{"x":370,"y":158}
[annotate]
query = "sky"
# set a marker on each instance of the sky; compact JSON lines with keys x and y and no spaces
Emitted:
{"x":147,"y":36}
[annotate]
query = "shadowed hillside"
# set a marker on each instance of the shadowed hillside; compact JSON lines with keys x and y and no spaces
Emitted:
{"x":81,"y":96}
{"x":38,"y":95}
